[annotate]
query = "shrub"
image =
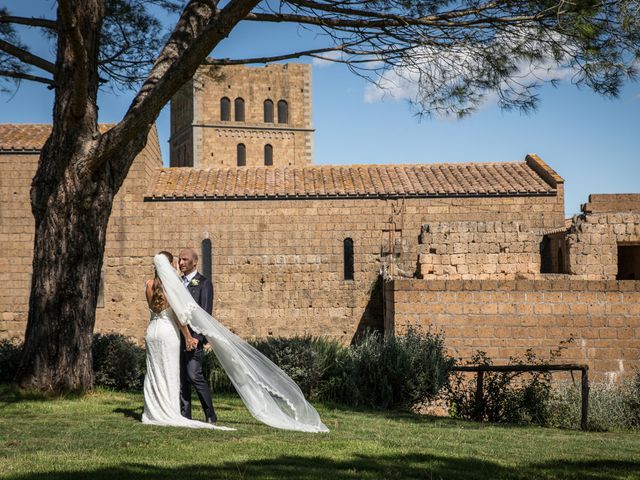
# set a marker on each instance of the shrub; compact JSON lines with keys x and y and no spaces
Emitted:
{"x":118,"y":363}
{"x":9,"y":359}
{"x":391,"y":372}
{"x":612,"y":406}
{"x":507,"y":397}
{"x":380,"y":372}
{"x":215,"y":375}
{"x":333,"y":362}
{"x":310,"y":362}
{"x":632,"y":399}
{"x":297,"y":357}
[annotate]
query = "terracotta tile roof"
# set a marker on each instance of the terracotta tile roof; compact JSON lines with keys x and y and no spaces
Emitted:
{"x":28,"y":137}
{"x":465,"y":179}
{"x":21,"y":137}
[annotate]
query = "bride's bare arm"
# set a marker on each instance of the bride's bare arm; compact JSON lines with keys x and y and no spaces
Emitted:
{"x":148,"y":290}
{"x":189,"y":340}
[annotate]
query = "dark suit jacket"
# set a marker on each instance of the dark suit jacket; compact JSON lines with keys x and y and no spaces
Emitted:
{"x":202,"y":293}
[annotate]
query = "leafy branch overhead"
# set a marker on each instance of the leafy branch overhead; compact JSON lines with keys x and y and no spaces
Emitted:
{"x":457,"y":53}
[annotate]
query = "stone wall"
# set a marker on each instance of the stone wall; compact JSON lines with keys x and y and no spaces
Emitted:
{"x":593,"y":241}
{"x":278,"y":264}
{"x":16,"y":240}
{"x":505,"y":318}
{"x":478,"y":250}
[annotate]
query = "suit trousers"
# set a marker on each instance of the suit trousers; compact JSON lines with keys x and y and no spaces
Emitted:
{"x":191,"y":375}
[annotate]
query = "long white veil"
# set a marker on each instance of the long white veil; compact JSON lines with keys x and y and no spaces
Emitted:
{"x":269,"y":394}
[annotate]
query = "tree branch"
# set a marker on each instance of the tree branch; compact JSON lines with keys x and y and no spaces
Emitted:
{"x":368,"y":13}
{"x":26,"y":76}
{"x":398,"y":21}
{"x":30,"y":21}
{"x":200,"y":28}
{"x":276,"y":58}
{"x":27,"y":57}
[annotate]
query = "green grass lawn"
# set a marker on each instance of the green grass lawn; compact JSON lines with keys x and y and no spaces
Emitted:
{"x":100,"y":436}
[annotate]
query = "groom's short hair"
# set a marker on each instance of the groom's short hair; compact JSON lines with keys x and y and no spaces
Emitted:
{"x":194,"y":254}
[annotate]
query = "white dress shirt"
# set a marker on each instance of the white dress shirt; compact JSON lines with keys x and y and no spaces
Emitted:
{"x":186,"y":279}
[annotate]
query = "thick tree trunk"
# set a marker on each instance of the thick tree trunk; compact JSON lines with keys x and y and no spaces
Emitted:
{"x":68,"y":249}
{"x":71,"y":213}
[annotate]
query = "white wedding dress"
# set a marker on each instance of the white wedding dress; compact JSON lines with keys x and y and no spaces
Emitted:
{"x":267,"y":392}
{"x":162,"y":381}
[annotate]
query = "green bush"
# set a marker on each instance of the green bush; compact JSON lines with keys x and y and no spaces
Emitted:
{"x":333,"y":362}
{"x":118,"y":363}
{"x":632,"y":399}
{"x":612,"y":406}
{"x":315,"y":364}
{"x":9,"y":359}
{"x":215,"y":375}
{"x":392,"y":372}
{"x":507,"y":397}
{"x":297,"y":357}
{"x":306,"y":360}
{"x":380,"y":372}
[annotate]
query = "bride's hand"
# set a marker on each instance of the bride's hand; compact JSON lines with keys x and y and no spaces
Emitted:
{"x":192,"y":343}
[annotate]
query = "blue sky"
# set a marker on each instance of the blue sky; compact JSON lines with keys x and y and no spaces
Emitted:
{"x":591,"y":141}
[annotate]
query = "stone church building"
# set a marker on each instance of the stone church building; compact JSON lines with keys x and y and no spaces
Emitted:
{"x":480,"y":251}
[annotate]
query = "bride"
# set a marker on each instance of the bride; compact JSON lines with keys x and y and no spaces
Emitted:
{"x":267,"y":392}
{"x":162,"y":380}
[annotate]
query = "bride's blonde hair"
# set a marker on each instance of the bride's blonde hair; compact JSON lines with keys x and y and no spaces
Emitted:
{"x":158,"y":299}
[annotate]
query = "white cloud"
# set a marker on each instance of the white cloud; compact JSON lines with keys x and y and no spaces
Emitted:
{"x":443,"y":70}
{"x":321,"y":62}
{"x":397,"y":84}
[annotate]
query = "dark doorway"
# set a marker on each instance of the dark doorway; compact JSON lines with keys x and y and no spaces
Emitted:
{"x":628,"y":262}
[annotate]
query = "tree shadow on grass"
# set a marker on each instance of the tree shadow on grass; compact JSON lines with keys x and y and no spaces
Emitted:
{"x":136,"y":415}
{"x":10,"y":393}
{"x":407,"y":416}
{"x":412,"y":465}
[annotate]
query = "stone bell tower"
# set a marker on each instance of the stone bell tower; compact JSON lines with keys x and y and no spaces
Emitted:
{"x":239,"y":116}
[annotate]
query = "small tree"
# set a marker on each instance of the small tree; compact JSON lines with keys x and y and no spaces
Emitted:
{"x":457,"y":52}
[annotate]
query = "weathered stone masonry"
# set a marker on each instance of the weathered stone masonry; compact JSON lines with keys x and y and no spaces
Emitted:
{"x":481,"y":251}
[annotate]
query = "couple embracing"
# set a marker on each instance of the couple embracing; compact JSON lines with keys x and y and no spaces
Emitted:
{"x":180,"y":324}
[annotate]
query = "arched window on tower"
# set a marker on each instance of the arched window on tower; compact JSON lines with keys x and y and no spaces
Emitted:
{"x":239,"y":108}
{"x":283,"y":112}
{"x":242,"y":155}
{"x":268,"y":155}
{"x":268,"y":111}
{"x":225,"y":109}
{"x":348,"y":259}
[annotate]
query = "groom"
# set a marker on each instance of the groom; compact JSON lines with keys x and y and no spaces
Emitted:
{"x":201,"y":290}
